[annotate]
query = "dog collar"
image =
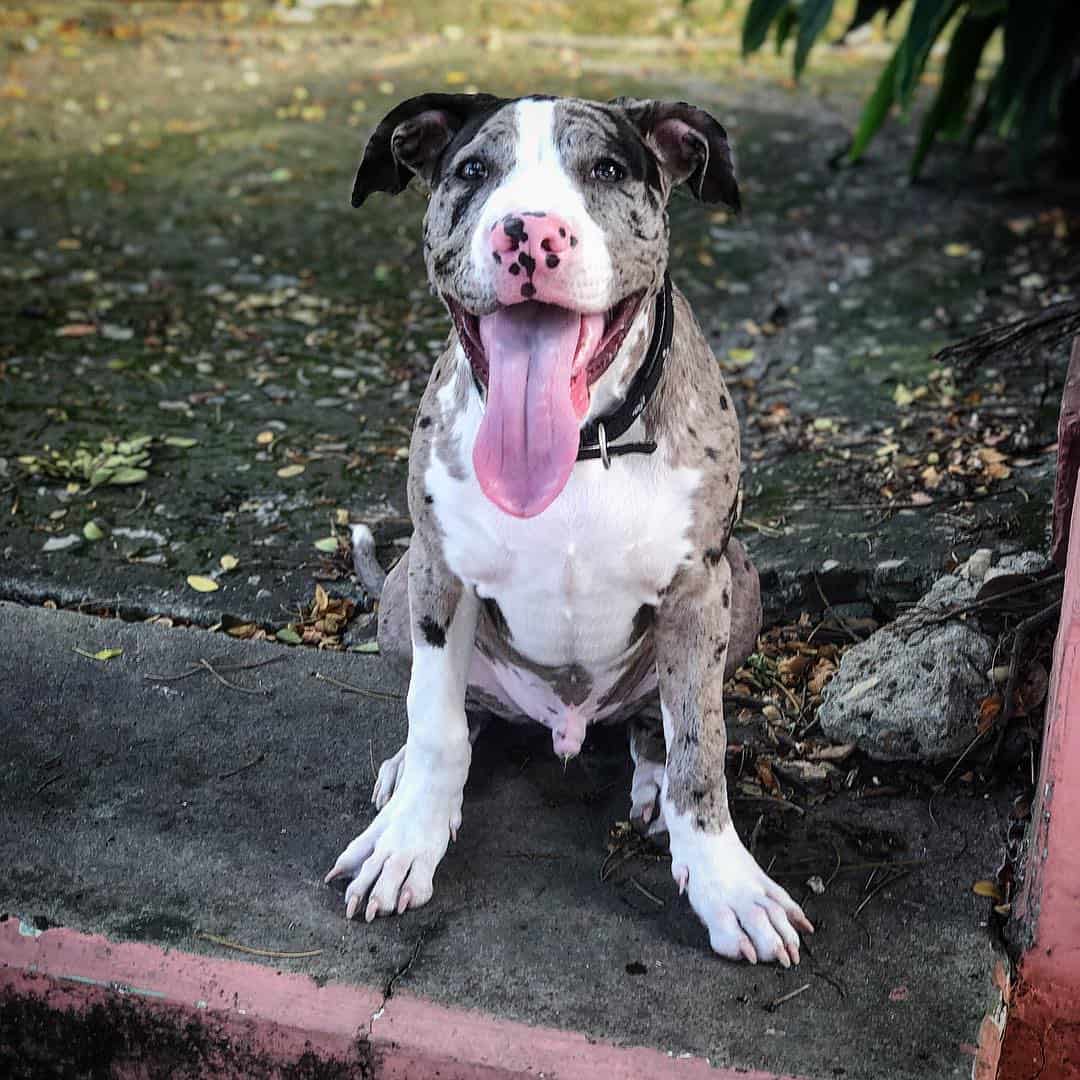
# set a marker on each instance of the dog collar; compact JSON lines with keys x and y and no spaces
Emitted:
{"x":597,"y":435}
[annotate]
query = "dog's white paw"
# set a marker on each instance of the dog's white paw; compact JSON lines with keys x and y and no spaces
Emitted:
{"x":387,"y":781}
{"x":746,"y":913}
{"x":646,"y":811}
{"x":396,"y":855}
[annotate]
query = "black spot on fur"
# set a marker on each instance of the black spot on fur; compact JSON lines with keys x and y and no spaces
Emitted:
{"x":497,"y":257}
{"x":701,"y":823}
{"x":498,"y":620}
{"x":710,"y":453}
{"x":552,"y":261}
{"x":727,"y":478}
{"x":429,"y":499}
{"x":644,"y":617}
{"x":534,"y":213}
{"x":573,"y":241}
{"x":713,"y":555}
{"x":514,"y":227}
{"x":433,"y":633}
{"x":528,"y":262}
{"x":461,"y":207}
{"x":723,"y":402}
{"x":514,"y":269}
{"x":725,"y":599}
{"x":697,"y":794}
{"x":425,"y":422}
{"x":562,"y":233}
{"x":528,"y":291}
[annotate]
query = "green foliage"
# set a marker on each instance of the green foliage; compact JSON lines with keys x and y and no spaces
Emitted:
{"x":1040,"y":45}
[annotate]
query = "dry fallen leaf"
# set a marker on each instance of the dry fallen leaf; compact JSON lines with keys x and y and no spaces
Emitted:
{"x":229,"y":562}
{"x":287,"y":472}
{"x":202,"y":584}
{"x":988,"y":889}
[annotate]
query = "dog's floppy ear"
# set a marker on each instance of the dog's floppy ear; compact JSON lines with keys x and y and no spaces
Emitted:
{"x":411,"y":138}
{"x":691,"y":146}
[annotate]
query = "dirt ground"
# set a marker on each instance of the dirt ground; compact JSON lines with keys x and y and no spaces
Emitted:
{"x":187,"y":295}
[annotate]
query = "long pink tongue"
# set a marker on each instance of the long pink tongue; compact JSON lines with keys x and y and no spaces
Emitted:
{"x":528,"y":439}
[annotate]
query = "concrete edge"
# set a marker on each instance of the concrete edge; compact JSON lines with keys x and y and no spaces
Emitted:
{"x":252,"y":1014}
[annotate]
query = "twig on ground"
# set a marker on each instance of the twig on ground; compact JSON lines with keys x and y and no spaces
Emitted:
{"x":47,"y":783}
{"x":225,"y":682}
{"x":274,"y":954}
{"x":839,"y":618}
{"x":242,"y":768}
{"x":777,"y":1002}
{"x":362,"y":690}
{"x":1021,"y":635}
{"x":645,"y":892}
{"x":220,"y":667}
{"x":891,"y":880}
{"x":978,"y":605}
{"x":756,"y":833}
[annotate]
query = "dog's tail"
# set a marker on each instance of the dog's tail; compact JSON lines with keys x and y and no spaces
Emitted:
{"x":365,"y":565}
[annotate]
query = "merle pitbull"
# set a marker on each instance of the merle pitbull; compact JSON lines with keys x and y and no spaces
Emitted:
{"x":573,"y":480}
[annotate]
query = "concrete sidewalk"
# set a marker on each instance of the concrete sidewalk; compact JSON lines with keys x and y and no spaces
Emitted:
{"x":154,"y":812}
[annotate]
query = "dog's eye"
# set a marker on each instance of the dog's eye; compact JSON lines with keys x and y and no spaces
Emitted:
{"x":609,"y":171}
{"x":473,"y":169}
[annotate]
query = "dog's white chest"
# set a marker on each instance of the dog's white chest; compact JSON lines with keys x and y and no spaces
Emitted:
{"x":569,"y":581}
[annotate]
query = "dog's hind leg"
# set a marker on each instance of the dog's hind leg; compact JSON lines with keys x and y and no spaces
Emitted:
{"x":395,"y":637}
{"x":745,"y":607}
{"x":648,"y":753}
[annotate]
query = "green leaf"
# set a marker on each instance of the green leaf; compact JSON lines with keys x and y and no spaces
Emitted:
{"x":128,"y":476}
{"x":813,"y":18}
{"x":180,"y":442}
{"x":328,"y":544}
{"x":101,"y":654}
{"x":875,"y":111}
{"x":928,"y":19}
{"x":758,"y":19}
{"x":92,"y":531}
{"x":865,"y":10}
{"x":950,"y":106}
{"x":366,"y":647}
{"x":787,"y":22}
{"x":289,"y":636}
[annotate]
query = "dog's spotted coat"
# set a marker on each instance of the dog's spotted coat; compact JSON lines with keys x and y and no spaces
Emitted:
{"x":626,"y":597}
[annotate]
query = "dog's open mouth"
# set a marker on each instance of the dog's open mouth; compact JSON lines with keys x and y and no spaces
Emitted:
{"x":537,"y":363}
{"x":587,"y":367}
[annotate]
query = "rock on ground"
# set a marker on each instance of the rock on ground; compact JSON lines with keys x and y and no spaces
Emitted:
{"x":912,"y":690}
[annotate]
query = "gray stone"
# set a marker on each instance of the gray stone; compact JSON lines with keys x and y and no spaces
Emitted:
{"x":906,"y":693}
{"x":912,"y":690}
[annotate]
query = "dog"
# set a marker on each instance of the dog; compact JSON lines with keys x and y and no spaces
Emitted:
{"x":573,"y":482}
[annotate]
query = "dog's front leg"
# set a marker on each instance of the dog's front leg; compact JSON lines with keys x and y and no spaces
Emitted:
{"x":396,"y":856}
{"x":746,"y":913}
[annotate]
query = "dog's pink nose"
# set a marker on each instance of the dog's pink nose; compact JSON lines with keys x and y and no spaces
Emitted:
{"x":529,"y":248}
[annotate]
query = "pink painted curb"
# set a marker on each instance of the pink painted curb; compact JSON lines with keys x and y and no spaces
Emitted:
{"x":275,"y":1017}
{"x":1042,"y":1034}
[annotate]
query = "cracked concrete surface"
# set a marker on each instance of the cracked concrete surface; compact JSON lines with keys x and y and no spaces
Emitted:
{"x":152,"y":811}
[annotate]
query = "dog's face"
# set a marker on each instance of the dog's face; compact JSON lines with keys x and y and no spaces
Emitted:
{"x":546,"y":234}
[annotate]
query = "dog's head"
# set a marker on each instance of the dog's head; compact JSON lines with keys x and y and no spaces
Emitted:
{"x":546,"y":234}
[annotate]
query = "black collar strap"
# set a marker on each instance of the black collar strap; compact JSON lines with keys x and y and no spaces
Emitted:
{"x":597,"y":435}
